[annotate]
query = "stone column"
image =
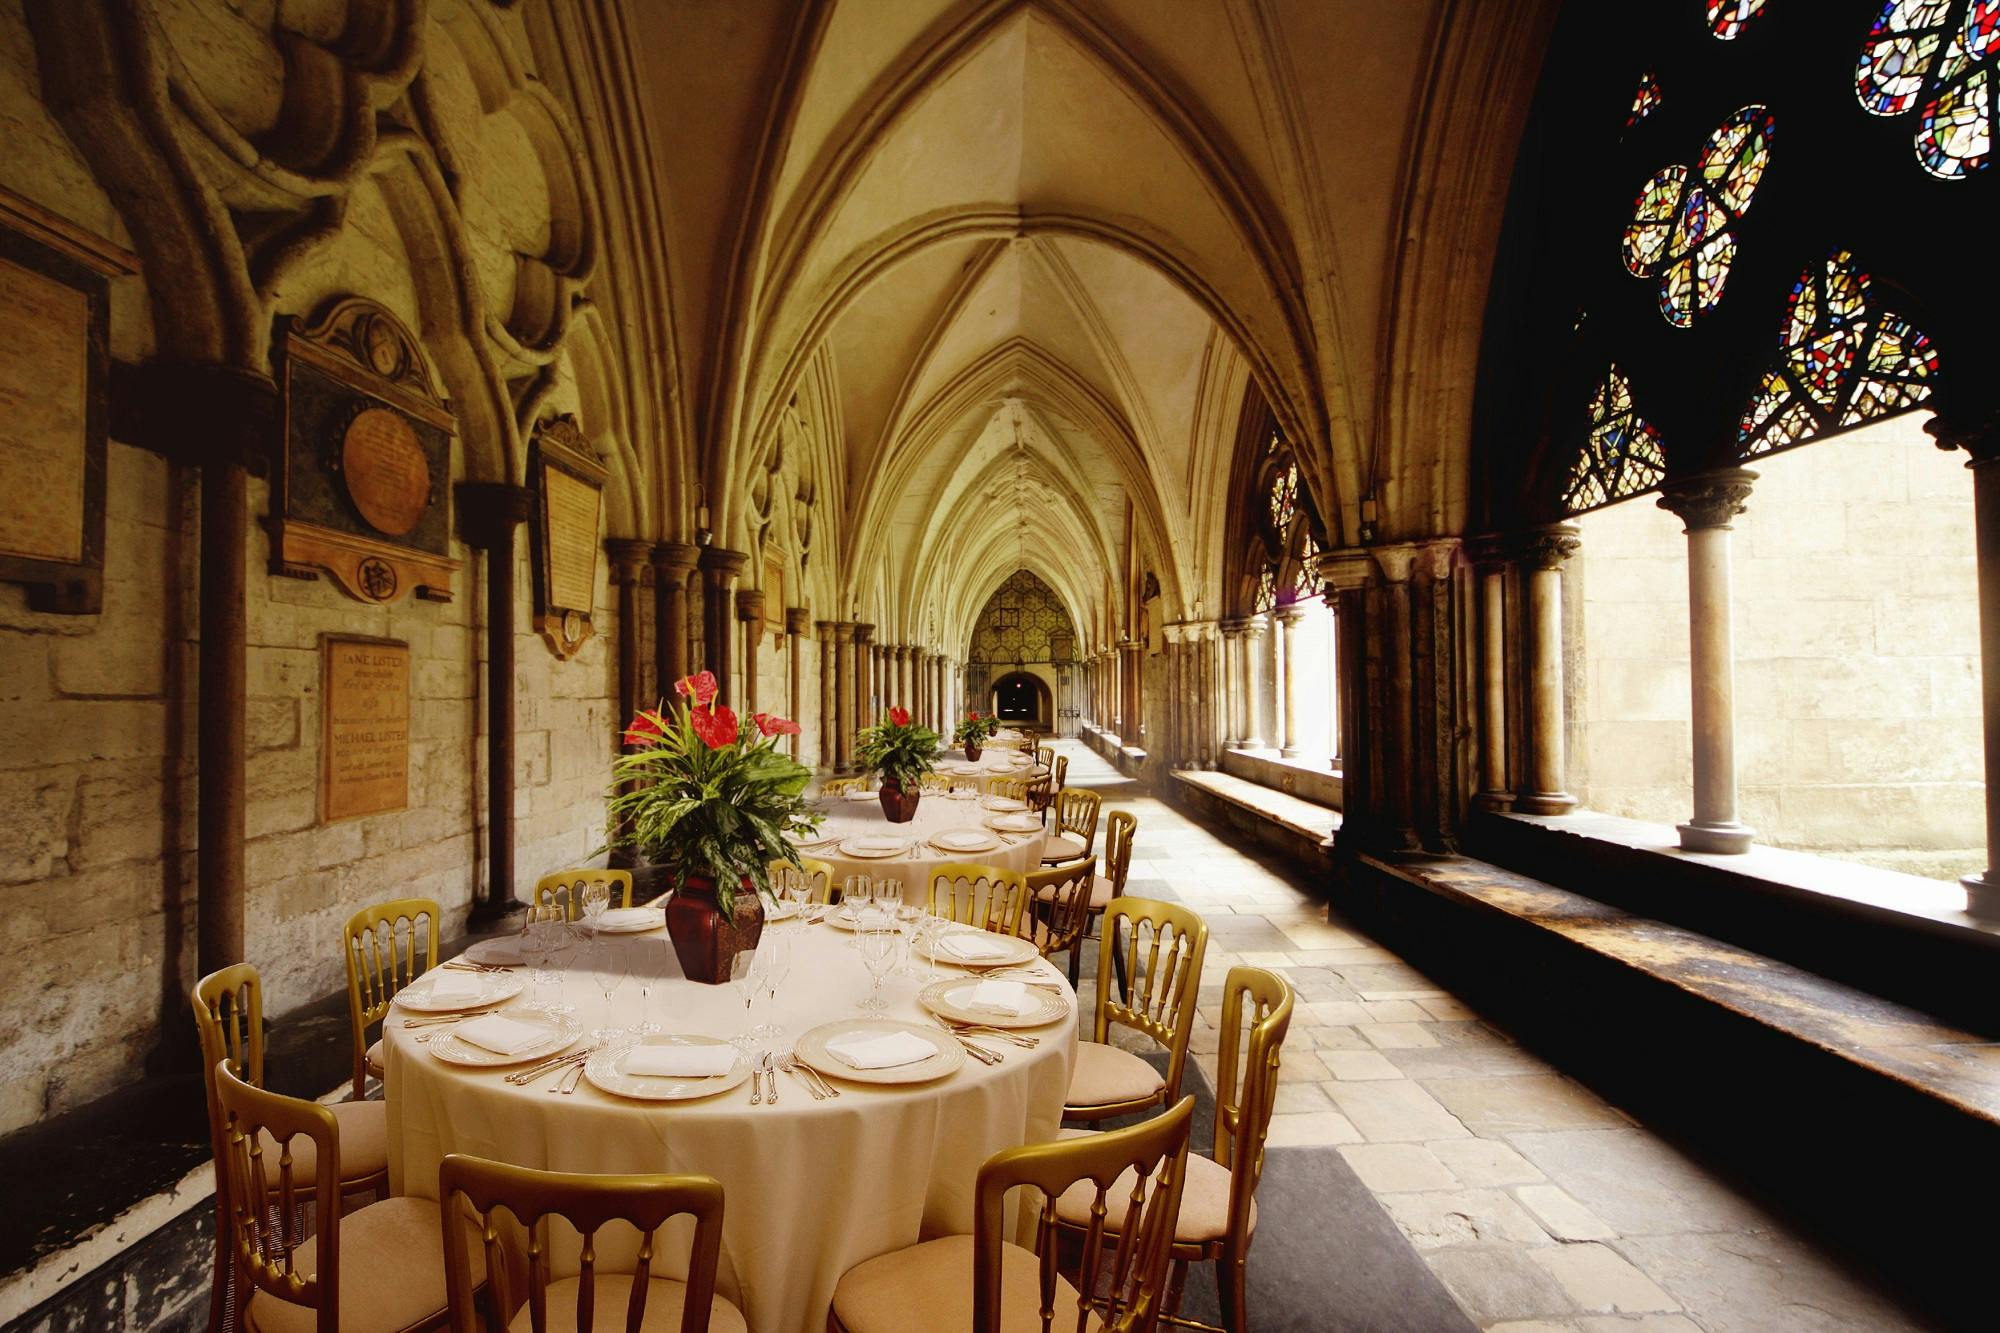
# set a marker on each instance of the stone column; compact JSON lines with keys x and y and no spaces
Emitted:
{"x":721,"y":567}
{"x":1289,"y":615}
{"x":1231,"y":693}
{"x":672,"y":563}
{"x":1490,"y":569}
{"x":750,"y":610}
{"x":628,"y":571}
{"x":843,"y":695}
{"x":1980,"y":438}
{"x":488,"y":513}
{"x":865,"y":711}
{"x":1170,"y":744}
{"x":1208,"y":695}
{"x":829,"y":720}
{"x":1250,"y":684}
{"x":796,"y":619}
{"x":905,"y":675}
{"x":1547,"y":549}
{"x":1132,"y":702}
{"x":1705,"y":504}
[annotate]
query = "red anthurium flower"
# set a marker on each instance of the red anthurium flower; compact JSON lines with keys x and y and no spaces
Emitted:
{"x":716,"y":726}
{"x":770,"y":724}
{"x":975,"y":715}
{"x":702,"y":687}
{"x":644,"y":730}
{"x":900,"y":716}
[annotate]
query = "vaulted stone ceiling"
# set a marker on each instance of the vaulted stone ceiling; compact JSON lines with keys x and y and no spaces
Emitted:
{"x":1033,"y":254}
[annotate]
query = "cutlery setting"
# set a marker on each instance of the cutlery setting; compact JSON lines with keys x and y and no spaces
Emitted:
{"x":523,"y":1077}
{"x":985,"y":1055}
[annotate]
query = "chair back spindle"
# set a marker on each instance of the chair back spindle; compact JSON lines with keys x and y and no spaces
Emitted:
{"x":988,"y":897}
{"x":387,"y":946}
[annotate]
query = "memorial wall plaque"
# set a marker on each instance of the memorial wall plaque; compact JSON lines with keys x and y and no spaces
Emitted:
{"x":364,"y":457}
{"x":54,"y":325}
{"x":569,"y":490}
{"x":365,"y":736}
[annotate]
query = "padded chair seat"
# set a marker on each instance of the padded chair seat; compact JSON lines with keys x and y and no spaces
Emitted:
{"x":1102,"y":891}
{"x":391,"y":1272}
{"x":364,"y":1145}
{"x":664,"y":1298}
{"x":1108,"y":1076}
{"x":929,"y":1287}
{"x":1062,"y":847}
{"x":1204,"y":1202}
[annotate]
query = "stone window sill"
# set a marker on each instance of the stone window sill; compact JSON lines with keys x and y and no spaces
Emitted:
{"x":1311,"y":778}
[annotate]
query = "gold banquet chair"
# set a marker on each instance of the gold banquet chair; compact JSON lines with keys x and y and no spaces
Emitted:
{"x":1218,"y":1212}
{"x":1164,"y":956}
{"x":818,"y":873}
{"x":1060,"y":900}
{"x":988,"y":897}
{"x":559,"y":897}
{"x":1120,"y":827}
{"x":984,"y":1283}
{"x":375,"y":1270}
{"x":380,"y":947}
{"x":229,"y":1016}
{"x":841,"y":786}
{"x":1076,"y":826}
{"x":635,"y":1302}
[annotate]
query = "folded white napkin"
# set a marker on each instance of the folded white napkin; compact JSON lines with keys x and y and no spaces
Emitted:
{"x":965,"y":842}
{"x":501,"y":1035}
{"x":621,"y":918}
{"x":973,"y":947}
{"x":874,"y":916}
{"x":505,"y":949}
{"x":861,"y":796}
{"x":680,"y":1061}
{"x":884,"y":1051}
{"x":457,"y":985}
{"x":867,"y":844}
{"x":1005,"y":803}
{"x":1001,"y":997}
{"x":1018,"y":823}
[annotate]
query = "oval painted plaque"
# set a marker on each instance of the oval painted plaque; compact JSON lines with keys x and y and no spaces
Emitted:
{"x":387,"y":475}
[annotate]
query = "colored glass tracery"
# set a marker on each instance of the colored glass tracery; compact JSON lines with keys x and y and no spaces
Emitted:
{"x":1621,"y":456}
{"x":1645,"y":100}
{"x":1935,"y":57}
{"x":1840,"y":362}
{"x":1728,"y":18}
{"x":1683,"y":227}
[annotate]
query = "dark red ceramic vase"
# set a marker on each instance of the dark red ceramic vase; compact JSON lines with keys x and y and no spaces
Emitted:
{"x":899,"y":805}
{"x":704,"y":939}
{"x":972,"y":750}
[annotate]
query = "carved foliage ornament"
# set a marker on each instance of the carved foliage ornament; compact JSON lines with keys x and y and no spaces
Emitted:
{"x":362,"y":458}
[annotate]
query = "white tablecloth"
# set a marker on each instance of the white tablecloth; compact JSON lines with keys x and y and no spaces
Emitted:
{"x":936,"y":813}
{"x":812,"y":1187}
{"x":992,"y":765}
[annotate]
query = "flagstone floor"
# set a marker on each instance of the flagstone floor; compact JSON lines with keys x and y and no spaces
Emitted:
{"x":1537,"y":1204}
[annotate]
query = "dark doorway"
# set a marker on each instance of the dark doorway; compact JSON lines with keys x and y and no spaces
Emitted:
{"x":1024,"y":699}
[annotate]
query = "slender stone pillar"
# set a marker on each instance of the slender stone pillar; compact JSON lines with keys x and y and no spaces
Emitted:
{"x":1231,"y":694}
{"x":1170,"y":743}
{"x":721,"y":567}
{"x":1130,"y":716}
{"x":829,"y":719}
{"x":1706,"y":504}
{"x":1288,"y":616}
{"x":796,"y":619}
{"x":1980,"y":438}
{"x":843,"y":695}
{"x":1491,"y":571}
{"x":750,"y":610}
{"x":628,"y":571}
{"x":905,"y":675}
{"x":1250,"y":683}
{"x":672,"y":563}
{"x":1547,"y":549}
{"x":865,"y":712}
{"x":488,"y":513}
{"x":1208,"y":687}
{"x":222,"y":736}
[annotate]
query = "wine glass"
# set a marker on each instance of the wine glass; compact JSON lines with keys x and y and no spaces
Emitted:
{"x":877,"y":941}
{"x":746,"y":974}
{"x":538,"y":951}
{"x":645,"y":960}
{"x":855,"y":893}
{"x":775,"y":949}
{"x":595,"y":898}
{"x":611,"y":967}
{"x":558,"y":952}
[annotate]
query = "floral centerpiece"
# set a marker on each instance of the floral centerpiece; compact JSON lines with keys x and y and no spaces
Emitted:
{"x":974,"y":731}
{"x":901,"y":751}
{"x":710,"y":799}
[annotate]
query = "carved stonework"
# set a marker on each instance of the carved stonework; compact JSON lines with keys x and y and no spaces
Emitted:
{"x":1978,"y":436}
{"x":1709,"y":500}
{"x":1551,"y":547}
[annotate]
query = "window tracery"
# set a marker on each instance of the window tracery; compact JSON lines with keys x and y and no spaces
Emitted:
{"x":1936,"y":57}
{"x":1683,"y":228}
{"x":1646,"y":100}
{"x":1728,"y":18}
{"x":1621,"y":456}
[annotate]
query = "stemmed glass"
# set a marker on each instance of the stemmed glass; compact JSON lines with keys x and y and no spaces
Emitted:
{"x":611,"y":967}
{"x":775,"y":952}
{"x":877,"y":941}
{"x":555,"y":946}
{"x":595,"y":898}
{"x":855,"y":892}
{"x":645,"y":960}
{"x":746,"y":972}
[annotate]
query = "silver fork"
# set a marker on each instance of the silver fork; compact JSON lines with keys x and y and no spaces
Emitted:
{"x":793,"y":1062}
{"x":786,"y":1063}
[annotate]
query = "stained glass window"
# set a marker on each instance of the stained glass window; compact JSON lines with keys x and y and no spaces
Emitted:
{"x":1935,"y":57}
{"x":1728,"y":18}
{"x":1307,"y":583}
{"x":1645,"y":99}
{"x":1840,"y":361}
{"x":1267,"y":589}
{"x":1621,"y":457}
{"x":1683,"y":223}
{"x":1284,"y":499}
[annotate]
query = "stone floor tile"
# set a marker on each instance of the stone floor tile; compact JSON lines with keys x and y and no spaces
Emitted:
{"x":1463,"y":1217}
{"x":1336,"y":1039}
{"x":1315,"y":984}
{"x":1397,"y":1036}
{"x":1303,"y":1067}
{"x":1319,"y":935}
{"x":1386,"y":977}
{"x":1636,"y":1183}
{"x":1359,"y":1065}
{"x":1561,"y":1216}
{"x":1448,"y":1061}
{"x":1393,"y":1011}
{"x":1445,"y":1009}
{"x":1499,"y":1106}
{"x":1388,"y":1168}
{"x":1645,"y":1323}
{"x":1398,"y":1112}
{"x":1485,"y":1162}
{"x":1498,"y":1282}
{"x":1293,"y":1098}
{"x":1762,"y":1282}
{"x":1333,"y":1013}
{"x":1274,"y":961}
{"x":1597,"y":1279}
{"x":1312,"y":1129}
{"x":1532,"y":1326}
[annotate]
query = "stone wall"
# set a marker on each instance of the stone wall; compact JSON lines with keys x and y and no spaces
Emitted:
{"x":1857,"y":656}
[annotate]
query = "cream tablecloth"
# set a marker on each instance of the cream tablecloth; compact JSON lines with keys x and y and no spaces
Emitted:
{"x":811,"y":1187}
{"x":992,"y":765}
{"x":936,"y":813}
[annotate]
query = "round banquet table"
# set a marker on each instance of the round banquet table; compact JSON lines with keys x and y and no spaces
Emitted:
{"x":811,"y":1188}
{"x":936,"y":814}
{"x":991,"y":766}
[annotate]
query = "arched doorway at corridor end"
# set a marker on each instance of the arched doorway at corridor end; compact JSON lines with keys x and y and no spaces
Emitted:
{"x":1022,"y":698}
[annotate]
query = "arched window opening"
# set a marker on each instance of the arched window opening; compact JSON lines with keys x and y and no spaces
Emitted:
{"x":1728,"y":18}
{"x":1937,"y":55}
{"x":1621,"y":455}
{"x":1683,"y":228}
{"x":1645,"y":100}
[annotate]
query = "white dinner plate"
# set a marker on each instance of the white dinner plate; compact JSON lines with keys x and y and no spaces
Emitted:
{"x":862,"y":796}
{"x":1004,"y":804}
{"x":1015,"y":823}
{"x":965,"y":840}
{"x":948,"y":998}
{"x":606,"y":1072}
{"x":861,"y":849}
{"x":949,"y":1059}
{"x":654,"y":919}
{"x":493,"y":988}
{"x":501,"y":951}
{"x":562,"y":1034}
{"x":779,"y":910}
{"x":840,"y":920}
{"x":1018,"y":951}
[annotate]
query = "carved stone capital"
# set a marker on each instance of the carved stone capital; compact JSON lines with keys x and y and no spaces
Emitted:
{"x":1979,"y":436}
{"x":674,"y":559}
{"x":797,"y":620}
{"x":1709,"y":500}
{"x":1232,"y":627}
{"x":722,"y":563}
{"x":1488,"y":551}
{"x":1289,"y":613}
{"x":628,"y":558}
{"x":843,"y":632}
{"x":864,"y":633}
{"x":750,"y":605}
{"x":1549,"y":548}
{"x":824,"y":629}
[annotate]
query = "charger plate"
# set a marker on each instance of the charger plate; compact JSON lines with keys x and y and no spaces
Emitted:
{"x":453,"y":1050}
{"x":606,"y":1072}
{"x":946,"y":999}
{"x":950,"y":1057}
{"x":493,"y":988}
{"x":1020,"y":951}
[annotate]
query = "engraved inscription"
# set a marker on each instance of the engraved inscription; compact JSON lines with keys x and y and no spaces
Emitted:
{"x":366,"y":741}
{"x":572,"y":540}
{"x":44,"y":379}
{"x":388,"y":477}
